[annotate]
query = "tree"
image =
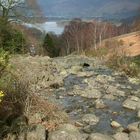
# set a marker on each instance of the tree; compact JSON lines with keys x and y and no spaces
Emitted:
{"x":7,"y":7}
{"x":50,"y":45}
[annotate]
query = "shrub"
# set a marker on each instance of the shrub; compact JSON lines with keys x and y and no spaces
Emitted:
{"x":11,"y":39}
{"x":119,"y":61}
{"x":99,"y":52}
{"x":4,"y":59}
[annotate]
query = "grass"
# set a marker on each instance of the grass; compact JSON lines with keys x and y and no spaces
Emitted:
{"x":136,"y":60}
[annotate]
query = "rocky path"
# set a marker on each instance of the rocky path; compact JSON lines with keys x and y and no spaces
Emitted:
{"x":101,"y":104}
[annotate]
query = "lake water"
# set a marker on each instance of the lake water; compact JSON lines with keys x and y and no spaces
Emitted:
{"x":50,"y":26}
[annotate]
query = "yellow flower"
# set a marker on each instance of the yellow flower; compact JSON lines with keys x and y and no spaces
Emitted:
{"x":1,"y":95}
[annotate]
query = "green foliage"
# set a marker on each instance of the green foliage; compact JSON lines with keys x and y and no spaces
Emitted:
{"x":11,"y":39}
{"x":136,"y":60}
{"x":50,"y":45}
{"x":4,"y":59}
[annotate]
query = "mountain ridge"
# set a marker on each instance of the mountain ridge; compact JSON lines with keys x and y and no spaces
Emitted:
{"x":90,"y":8}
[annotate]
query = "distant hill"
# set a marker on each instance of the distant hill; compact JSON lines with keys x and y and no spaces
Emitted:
{"x":87,"y":8}
{"x":131,"y":43}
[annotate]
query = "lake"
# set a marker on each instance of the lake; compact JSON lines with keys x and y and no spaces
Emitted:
{"x":50,"y":26}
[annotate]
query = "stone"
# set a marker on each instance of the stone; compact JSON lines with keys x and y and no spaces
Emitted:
{"x":134,"y":136}
{"x":109,"y":96}
{"x":98,"y":136}
{"x":134,"y":98}
{"x":115,"y":91}
{"x":99,"y":104}
{"x":138,"y":114}
{"x":75,"y":69}
{"x":102,"y":79}
{"x":115,"y":124}
{"x":121,"y":136}
{"x":130,"y":104}
{"x":134,"y":81}
{"x":111,"y":90}
{"x":134,"y":126}
{"x":10,"y":137}
{"x":78,"y":124}
{"x":67,"y":132}
{"x":69,"y":128}
{"x":36,"y":132}
{"x":63,"y":72}
{"x":90,"y":119}
{"x":64,"y":135}
{"x":91,"y":93}
{"x":87,"y":129}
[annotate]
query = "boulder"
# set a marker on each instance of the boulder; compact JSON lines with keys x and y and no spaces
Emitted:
{"x":90,"y":119}
{"x":138,"y":114}
{"x":91,"y":93}
{"x":130,"y":104}
{"x":98,"y":136}
{"x":99,"y":104}
{"x":134,"y":126}
{"x":134,"y":136}
{"x":36,"y":132}
{"x":121,"y":136}
{"x":67,"y":132}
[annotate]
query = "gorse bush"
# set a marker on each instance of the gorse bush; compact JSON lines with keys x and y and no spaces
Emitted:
{"x":11,"y":39}
{"x":4,"y":59}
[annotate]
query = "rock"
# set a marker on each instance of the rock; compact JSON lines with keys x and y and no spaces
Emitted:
{"x":87,"y":129}
{"x":134,"y":126}
{"x":37,"y":132}
{"x":91,"y":93}
{"x":69,"y":128}
{"x":64,"y":73}
{"x":115,"y":91}
{"x":98,"y":136}
{"x":78,"y":124}
{"x":102,"y":79}
{"x":99,"y":104}
{"x":138,"y":114}
{"x":67,"y":132}
{"x":134,"y":98}
{"x":121,"y":136}
{"x":130,"y":104}
{"x":134,"y":81}
{"x":111,"y":90}
{"x":75,"y":69}
{"x":115,"y":124}
{"x":22,"y":136}
{"x":10,"y":137}
{"x":90,"y":119}
{"x":109,"y":96}
{"x":134,"y":136}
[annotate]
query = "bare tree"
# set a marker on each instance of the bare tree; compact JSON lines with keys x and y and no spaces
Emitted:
{"x":7,"y":7}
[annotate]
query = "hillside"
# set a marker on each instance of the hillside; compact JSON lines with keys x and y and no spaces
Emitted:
{"x":131,"y":43}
